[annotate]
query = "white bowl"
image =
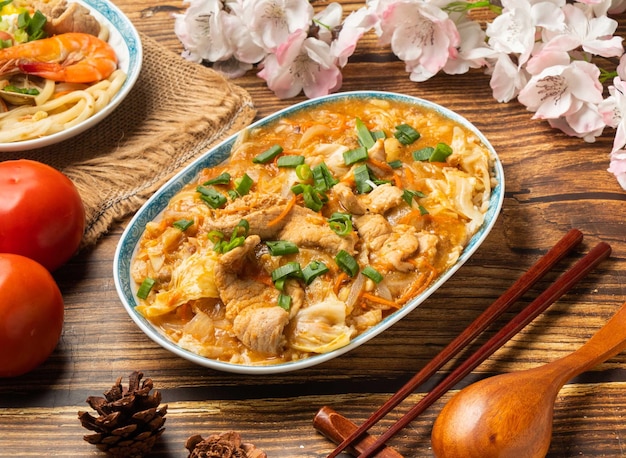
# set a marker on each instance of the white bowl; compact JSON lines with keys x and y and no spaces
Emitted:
{"x":127,"y":44}
{"x":153,"y":207}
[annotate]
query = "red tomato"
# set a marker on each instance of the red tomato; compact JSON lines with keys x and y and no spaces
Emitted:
{"x":41,"y":213}
{"x":31,"y":314}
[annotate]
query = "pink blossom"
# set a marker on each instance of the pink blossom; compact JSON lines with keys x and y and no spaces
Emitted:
{"x":420,"y":34}
{"x":271,"y":21}
{"x":354,"y":27}
{"x":301,"y":64}
{"x":561,"y":90}
{"x":507,"y":79}
{"x":201,"y":31}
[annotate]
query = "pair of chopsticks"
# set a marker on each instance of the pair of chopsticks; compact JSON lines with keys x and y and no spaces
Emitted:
{"x":563,"y":284}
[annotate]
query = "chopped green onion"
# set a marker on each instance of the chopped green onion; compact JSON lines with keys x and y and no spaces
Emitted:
{"x":363,"y":134}
{"x":232,"y":194}
{"x":212,"y":197}
{"x":215,"y":236}
{"x":291,"y":269}
{"x":408,"y":195}
{"x":322,"y":178}
{"x":284,"y":301}
{"x":442,"y":151}
{"x":313,"y":270}
{"x":280,"y":284}
{"x":183,"y":224}
{"x":437,"y":154}
{"x":406,"y":134}
{"x":290,"y":161}
{"x":224,"y":178}
{"x":423,"y":154}
{"x":282,"y":247}
{"x":268,"y":155}
{"x":145,"y":287}
{"x":372,"y":274}
{"x":347,"y":263}
{"x":21,"y":90}
{"x":243,"y":184}
{"x":313,"y":199}
{"x":355,"y":155}
{"x":340,"y":223}
{"x":242,"y":228}
{"x":423,"y":211}
{"x":303,"y":172}
{"x":378,"y":134}
{"x":395,"y":164}
{"x":361,"y":178}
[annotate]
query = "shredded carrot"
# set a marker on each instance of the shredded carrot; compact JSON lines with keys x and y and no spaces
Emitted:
{"x":420,"y":284}
{"x":379,"y":300}
{"x":410,"y":216}
{"x":285,"y":211}
{"x":339,"y":280}
{"x":381,"y":165}
{"x":348,"y":179}
{"x":410,"y":176}
{"x":397,"y":180}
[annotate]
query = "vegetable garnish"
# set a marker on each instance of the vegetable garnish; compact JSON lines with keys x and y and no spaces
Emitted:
{"x":372,"y":274}
{"x":323,"y":180}
{"x":284,"y":213}
{"x":145,"y":287}
{"x":437,"y":154}
{"x":21,"y":90}
{"x":395,"y":164}
{"x":364,"y":136}
{"x":224,"y":178}
{"x":211,"y":197}
{"x":291,"y":161}
{"x":32,"y":26}
{"x":183,"y":224}
{"x":355,"y":155}
{"x":313,"y":199}
{"x":340,"y":223}
{"x":282,"y":247}
{"x":268,"y":155}
{"x":284,"y":301}
{"x":406,"y":134}
{"x":237,"y":238}
{"x":347,"y":263}
{"x":408,"y":195}
{"x":243,"y":184}
{"x":303,"y":171}
{"x":313,"y":270}
{"x":362,"y":179}
{"x":291,"y":269}
{"x":442,"y":151}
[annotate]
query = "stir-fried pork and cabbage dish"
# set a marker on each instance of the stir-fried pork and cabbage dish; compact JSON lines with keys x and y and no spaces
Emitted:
{"x":316,"y":228}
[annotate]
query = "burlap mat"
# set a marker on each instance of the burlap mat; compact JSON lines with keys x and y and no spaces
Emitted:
{"x":175,"y":112}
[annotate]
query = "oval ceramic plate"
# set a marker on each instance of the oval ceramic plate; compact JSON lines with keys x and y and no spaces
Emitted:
{"x":153,"y":207}
{"x":127,"y":44}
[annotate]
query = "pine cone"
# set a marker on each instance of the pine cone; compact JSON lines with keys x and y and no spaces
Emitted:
{"x":225,"y":445}
{"x":129,"y":421}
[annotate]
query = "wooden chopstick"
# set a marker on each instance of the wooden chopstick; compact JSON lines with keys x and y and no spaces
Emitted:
{"x":510,"y":296}
{"x":563,"y":284}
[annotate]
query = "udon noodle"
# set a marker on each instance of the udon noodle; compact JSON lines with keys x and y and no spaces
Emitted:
{"x":317,"y":227}
{"x":57,"y":105}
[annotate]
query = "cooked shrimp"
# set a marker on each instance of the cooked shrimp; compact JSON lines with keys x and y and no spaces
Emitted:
{"x":70,"y":57}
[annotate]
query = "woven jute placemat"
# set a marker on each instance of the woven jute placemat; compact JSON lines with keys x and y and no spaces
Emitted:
{"x":175,"y":112}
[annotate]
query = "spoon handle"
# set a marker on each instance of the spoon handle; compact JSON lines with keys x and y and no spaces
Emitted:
{"x":607,"y":342}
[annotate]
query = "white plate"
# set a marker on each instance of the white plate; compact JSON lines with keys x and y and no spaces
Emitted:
{"x":127,"y":44}
{"x":153,"y":207}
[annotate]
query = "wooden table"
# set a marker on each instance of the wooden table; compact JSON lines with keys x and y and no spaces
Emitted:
{"x":554,"y":183}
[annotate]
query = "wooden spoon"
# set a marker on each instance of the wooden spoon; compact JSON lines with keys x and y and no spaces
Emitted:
{"x":510,"y":415}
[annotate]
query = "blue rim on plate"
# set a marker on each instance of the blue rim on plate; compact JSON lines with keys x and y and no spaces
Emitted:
{"x":155,"y":205}
{"x":125,"y":39}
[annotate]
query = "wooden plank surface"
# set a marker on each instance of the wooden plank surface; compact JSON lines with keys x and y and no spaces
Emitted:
{"x":554,"y":183}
